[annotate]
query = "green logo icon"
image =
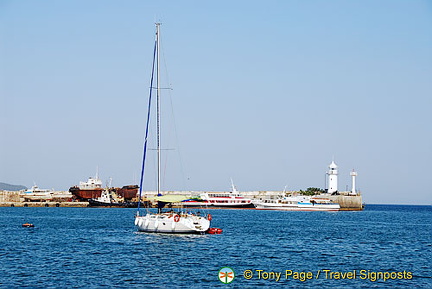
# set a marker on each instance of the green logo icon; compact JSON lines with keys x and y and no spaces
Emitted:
{"x":226,"y":275}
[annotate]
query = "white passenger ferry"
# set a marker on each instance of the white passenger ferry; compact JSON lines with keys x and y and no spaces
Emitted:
{"x":231,"y":199}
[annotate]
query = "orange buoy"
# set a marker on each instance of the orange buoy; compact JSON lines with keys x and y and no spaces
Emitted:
{"x":27,"y":225}
{"x":209,"y":217}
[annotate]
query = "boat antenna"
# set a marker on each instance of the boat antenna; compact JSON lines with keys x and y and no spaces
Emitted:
{"x":147,"y":128}
{"x":234,"y":190}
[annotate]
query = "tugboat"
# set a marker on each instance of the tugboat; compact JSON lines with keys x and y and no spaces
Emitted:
{"x":110,"y":198}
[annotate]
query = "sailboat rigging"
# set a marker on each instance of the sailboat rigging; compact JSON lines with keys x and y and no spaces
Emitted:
{"x":168,"y":221}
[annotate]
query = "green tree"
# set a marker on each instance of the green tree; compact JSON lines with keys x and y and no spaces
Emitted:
{"x":312,"y":191}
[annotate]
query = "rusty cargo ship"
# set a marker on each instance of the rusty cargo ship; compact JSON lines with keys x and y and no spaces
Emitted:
{"x":92,"y":189}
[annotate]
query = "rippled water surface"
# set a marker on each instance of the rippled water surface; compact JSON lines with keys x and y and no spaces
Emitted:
{"x":92,"y":248}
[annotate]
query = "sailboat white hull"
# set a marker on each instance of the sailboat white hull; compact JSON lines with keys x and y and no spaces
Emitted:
{"x":172,"y":223}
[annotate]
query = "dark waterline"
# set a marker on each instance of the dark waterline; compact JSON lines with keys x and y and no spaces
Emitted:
{"x":93,"y":248}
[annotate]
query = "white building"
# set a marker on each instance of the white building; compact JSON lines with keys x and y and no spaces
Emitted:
{"x":332,"y":179}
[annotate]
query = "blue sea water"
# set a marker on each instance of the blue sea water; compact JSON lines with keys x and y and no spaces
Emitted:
{"x":100,"y":247}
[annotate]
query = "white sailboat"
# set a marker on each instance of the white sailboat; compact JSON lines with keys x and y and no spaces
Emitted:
{"x":168,"y":221}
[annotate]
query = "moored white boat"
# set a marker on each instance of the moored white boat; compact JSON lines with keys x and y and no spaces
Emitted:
{"x":280,"y":203}
{"x":37,"y":194}
{"x":318,"y":204}
{"x":231,"y":199}
{"x":297,"y":203}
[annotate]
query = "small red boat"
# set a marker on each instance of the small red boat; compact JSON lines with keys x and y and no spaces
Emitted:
{"x":28,"y":225}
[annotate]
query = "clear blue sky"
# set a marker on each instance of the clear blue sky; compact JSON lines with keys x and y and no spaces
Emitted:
{"x":265,"y":92}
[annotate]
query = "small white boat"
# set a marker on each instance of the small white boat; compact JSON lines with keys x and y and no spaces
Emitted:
{"x":37,"y":194}
{"x":318,"y":204}
{"x":280,"y":203}
{"x":297,"y":203}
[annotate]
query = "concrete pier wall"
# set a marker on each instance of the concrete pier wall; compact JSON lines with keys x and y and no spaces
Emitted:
{"x":7,"y":196}
{"x":44,"y":204}
{"x":348,"y":202}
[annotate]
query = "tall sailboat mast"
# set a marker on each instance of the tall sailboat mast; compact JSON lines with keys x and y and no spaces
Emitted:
{"x":158,"y":111}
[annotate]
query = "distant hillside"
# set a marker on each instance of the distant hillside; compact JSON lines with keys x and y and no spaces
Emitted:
{"x":8,"y":187}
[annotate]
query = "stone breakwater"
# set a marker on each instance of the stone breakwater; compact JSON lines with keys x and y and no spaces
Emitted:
{"x":346,"y":201}
{"x":44,"y":204}
{"x":15,"y":199}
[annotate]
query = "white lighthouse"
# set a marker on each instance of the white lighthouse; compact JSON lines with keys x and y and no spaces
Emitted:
{"x":353,"y":176}
{"x":332,"y":181}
